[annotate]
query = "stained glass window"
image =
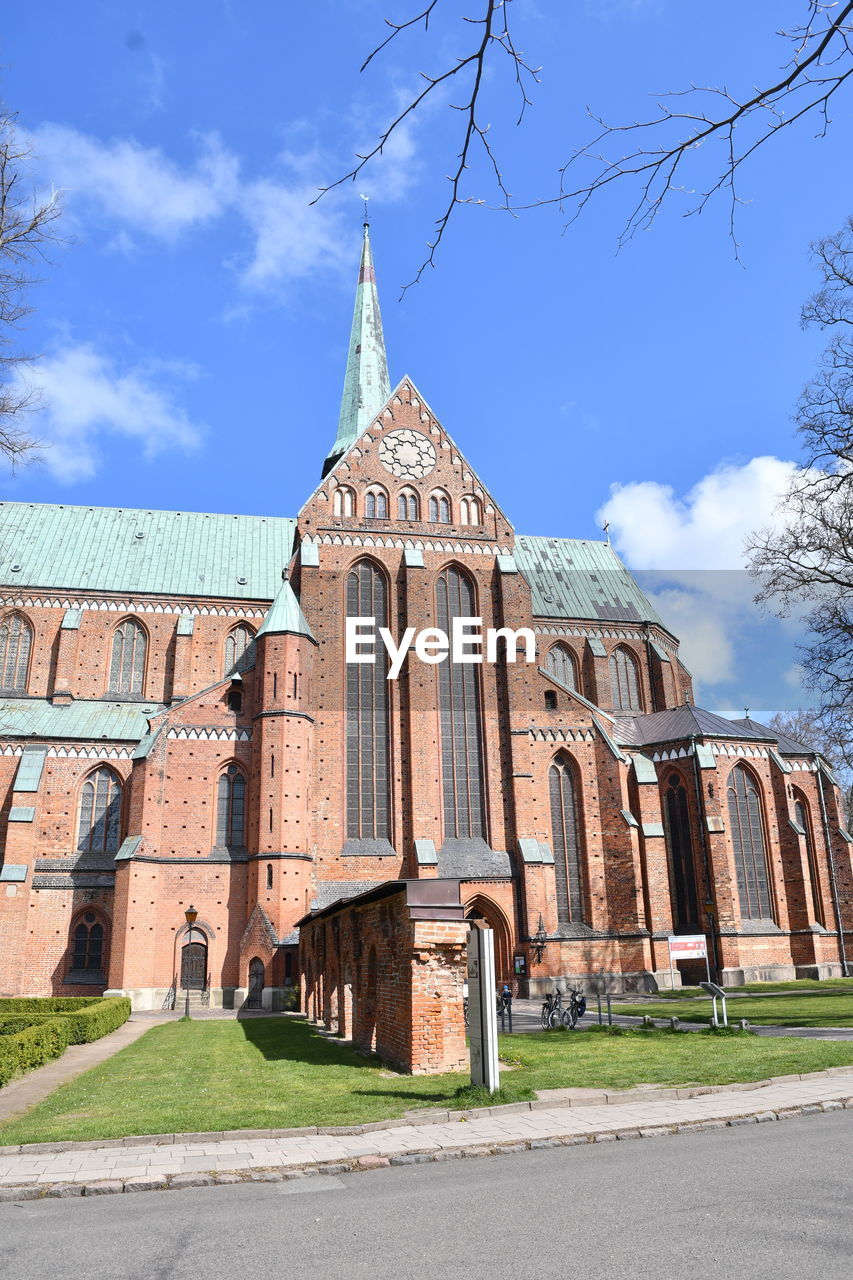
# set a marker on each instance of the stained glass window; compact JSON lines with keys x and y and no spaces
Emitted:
{"x":87,"y":945}
{"x":461,"y":718}
{"x":237,"y":643}
{"x":231,"y":809}
{"x":680,"y":842}
{"x":439,"y":508}
{"x":624,"y":681}
{"x":16,"y":640}
{"x":801,"y":814}
{"x":407,"y":505}
{"x":367,"y":736}
{"x":747,"y":828}
{"x":376,"y":504}
{"x":566,"y":837}
{"x":99,"y":827}
{"x":560,"y":664}
{"x":128,"y":661}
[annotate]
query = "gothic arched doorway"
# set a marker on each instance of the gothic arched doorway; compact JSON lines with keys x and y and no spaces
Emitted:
{"x":254,"y":999}
{"x":194,"y":962}
{"x":483,"y":913}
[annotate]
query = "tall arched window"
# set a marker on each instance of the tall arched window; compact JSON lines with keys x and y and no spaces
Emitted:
{"x":407,"y":505}
{"x":746,"y":823}
{"x":560,"y":663}
{"x":803,"y":820}
{"x":565,"y":830}
{"x":231,"y":809}
{"x":624,"y":681}
{"x":439,"y":507}
{"x":16,"y":641}
{"x":237,"y":643}
{"x":376,"y":504}
{"x":99,"y":823}
{"x":343,"y":503}
{"x":127,"y":667}
{"x":367,"y":738}
{"x":680,"y":842}
{"x":469,"y":510}
{"x":87,"y":945}
{"x":461,"y":718}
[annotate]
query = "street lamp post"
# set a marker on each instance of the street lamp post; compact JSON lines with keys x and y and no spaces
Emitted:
{"x":191,"y":916}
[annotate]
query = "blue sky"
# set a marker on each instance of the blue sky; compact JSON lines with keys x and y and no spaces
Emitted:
{"x":194,"y":326}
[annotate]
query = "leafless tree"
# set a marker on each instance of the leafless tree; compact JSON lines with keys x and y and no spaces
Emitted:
{"x":807,"y":559}
{"x":26,"y":228}
{"x":664,"y":155}
{"x":809,"y":726}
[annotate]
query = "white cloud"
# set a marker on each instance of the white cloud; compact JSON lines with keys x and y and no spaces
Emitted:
{"x":291,"y":237}
{"x":139,"y":186}
{"x":705,"y":634}
{"x":141,"y":193}
{"x":705,"y":529}
{"x":86,"y":397}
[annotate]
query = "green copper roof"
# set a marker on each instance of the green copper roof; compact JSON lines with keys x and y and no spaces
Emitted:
{"x":366,"y":385}
{"x":570,"y":578}
{"x":285,"y":615}
{"x":86,"y":721}
{"x":181,"y":553}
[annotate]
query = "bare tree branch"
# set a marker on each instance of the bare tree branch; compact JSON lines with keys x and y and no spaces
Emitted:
{"x":26,"y":228}
{"x":809,"y":559}
{"x":495,"y":35}
{"x":685,"y":122}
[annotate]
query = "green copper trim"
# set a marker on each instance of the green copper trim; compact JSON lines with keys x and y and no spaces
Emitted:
{"x":285,"y":615}
{"x":366,"y":384}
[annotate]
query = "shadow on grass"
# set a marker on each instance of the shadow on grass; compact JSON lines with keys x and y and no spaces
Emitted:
{"x":291,"y":1040}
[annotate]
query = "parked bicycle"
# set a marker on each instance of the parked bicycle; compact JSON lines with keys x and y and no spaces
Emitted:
{"x":554,"y":1014}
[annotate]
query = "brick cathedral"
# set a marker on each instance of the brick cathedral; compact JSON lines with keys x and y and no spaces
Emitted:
{"x":179,"y":727}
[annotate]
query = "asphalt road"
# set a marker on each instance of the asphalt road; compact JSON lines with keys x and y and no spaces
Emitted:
{"x":762,"y":1201}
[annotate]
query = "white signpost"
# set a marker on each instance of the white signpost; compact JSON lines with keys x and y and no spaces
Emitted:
{"x":482,"y":1009}
{"x":688,"y":946}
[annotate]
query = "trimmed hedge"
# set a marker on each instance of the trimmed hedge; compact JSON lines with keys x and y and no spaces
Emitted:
{"x":46,"y":1035}
{"x":46,"y":1004}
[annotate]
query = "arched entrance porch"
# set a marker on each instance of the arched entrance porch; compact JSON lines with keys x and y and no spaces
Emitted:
{"x":483,"y":912}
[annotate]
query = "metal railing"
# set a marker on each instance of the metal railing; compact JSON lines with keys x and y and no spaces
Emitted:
{"x":205,"y":992}
{"x":171,"y":994}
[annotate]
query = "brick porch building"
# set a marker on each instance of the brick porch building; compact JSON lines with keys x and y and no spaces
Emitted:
{"x":178,"y":726}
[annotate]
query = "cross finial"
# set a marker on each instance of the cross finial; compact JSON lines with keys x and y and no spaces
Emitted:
{"x":606,"y":530}
{"x":365,"y":199}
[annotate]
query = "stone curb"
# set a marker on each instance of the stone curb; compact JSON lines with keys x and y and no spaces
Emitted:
{"x":185,"y":1181}
{"x":427,"y":1116}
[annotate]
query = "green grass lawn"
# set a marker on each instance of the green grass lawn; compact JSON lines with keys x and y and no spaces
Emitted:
{"x":800,"y":986}
{"x":279,"y":1073}
{"x":801,"y":1009}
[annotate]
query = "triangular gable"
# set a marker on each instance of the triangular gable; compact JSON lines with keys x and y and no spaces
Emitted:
{"x":405,"y":409}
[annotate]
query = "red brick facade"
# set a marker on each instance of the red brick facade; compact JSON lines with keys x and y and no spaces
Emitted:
{"x":283,"y":727}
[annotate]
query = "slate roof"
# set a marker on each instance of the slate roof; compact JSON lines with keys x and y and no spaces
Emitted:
{"x":80,"y":721}
{"x":571,"y":578}
{"x":683,"y":722}
{"x":787,"y":746}
{"x":181,"y":553}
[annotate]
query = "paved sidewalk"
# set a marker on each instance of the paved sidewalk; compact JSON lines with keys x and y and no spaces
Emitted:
{"x":178,"y":1161}
{"x":18,"y":1095}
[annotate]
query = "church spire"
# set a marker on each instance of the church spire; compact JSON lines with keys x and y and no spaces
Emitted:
{"x":366,"y":385}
